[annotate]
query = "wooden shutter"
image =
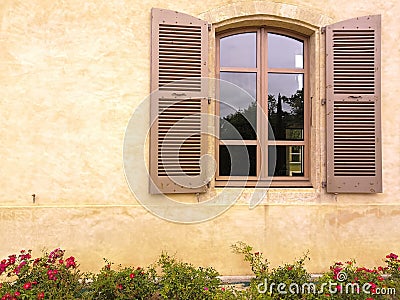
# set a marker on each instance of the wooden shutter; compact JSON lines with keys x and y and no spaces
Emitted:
{"x":353,"y":69}
{"x":179,"y":54}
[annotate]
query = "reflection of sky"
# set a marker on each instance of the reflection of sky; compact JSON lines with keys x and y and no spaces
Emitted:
{"x":284,"y":52}
{"x":238,"y":95}
{"x":238,"y":50}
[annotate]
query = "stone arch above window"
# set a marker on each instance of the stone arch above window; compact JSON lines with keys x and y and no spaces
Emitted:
{"x":288,"y":16}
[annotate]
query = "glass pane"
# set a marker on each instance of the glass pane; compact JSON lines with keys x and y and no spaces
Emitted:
{"x":239,"y":50}
{"x":289,"y":160}
{"x":237,"y":160}
{"x":286,"y":106}
{"x":284,"y":52}
{"x":238,"y":106}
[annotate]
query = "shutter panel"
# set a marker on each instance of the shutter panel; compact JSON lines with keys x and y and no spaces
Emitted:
{"x":353,"y":78}
{"x":179,"y":54}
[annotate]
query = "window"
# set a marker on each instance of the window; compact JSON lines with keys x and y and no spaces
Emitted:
{"x":271,"y":68}
{"x":263,"y":75}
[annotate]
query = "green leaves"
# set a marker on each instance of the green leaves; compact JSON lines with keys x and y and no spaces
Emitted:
{"x":183,"y":281}
{"x":52,"y":276}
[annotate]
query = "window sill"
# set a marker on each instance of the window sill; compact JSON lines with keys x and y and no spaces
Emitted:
{"x":280,"y":183}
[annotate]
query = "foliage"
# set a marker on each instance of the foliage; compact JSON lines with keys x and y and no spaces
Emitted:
{"x":123,"y":283}
{"x":180,"y":280}
{"x":258,"y":264}
{"x":52,"y":276}
{"x":264,"y":285}
{"x":48,"y":277}
{"x":348,"y":281}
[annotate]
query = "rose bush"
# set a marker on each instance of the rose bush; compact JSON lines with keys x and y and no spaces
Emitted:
{"x":46,"y":277}
{"x":56,"y":276}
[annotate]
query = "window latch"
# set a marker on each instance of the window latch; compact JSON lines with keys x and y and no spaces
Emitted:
{"x":323,"y":101}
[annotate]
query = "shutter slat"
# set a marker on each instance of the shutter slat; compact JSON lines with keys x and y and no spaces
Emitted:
{"x":179,"y":62}
{"x":353,"y":106}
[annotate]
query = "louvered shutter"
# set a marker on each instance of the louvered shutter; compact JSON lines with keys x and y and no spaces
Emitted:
{"x":179,"y":54}
{"x":353,"y":78}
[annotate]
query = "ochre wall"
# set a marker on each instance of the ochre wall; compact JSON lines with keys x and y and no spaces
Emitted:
{"x":73,"y":72}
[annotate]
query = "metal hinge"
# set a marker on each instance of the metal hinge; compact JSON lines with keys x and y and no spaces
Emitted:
{"x":323,"y":30}
{"x":209,"y":27}
{"x":209,"y":100}
{"x":323,"y":184}
{"x":323,"y":101}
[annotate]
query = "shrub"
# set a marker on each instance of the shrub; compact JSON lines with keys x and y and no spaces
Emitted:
{"x":50,"y":276}
{"x":266,"y":281}
{"x":348,"y":281}
{"x":180,"y":280}
{"x":123,"y":283}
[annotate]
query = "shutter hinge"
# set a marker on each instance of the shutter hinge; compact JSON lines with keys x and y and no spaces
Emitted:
{"x":209,"y":27}
{"x":323,"y":30}
{"x":209,"y":100}
{"x":323,"y":184}
{"x":323,"y":101}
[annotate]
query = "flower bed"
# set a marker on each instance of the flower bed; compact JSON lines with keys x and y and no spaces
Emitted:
{"x":52,"y":276}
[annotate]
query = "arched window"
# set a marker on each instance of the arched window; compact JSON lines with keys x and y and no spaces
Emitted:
{"x":263,"y":108}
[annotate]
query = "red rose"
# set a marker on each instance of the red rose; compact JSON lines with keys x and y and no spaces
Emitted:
{"x":27,"y":286}
{"x":16,"y":294}
{"x":40,"y":295}
{"x":70,"y":262}
{"x":132,"y":276}
{"x":392,"y":256}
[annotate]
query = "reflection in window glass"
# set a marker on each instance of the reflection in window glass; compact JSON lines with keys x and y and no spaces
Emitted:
{"x":289,"y":160}
{"x":284,"y":52}
{"x":238,"y":107}
{"x":239,"y":50}
{"x":237,"y":160}
{"x":286,"y":106}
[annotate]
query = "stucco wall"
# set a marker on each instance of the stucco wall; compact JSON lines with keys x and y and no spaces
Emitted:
{"x":73,"y":72}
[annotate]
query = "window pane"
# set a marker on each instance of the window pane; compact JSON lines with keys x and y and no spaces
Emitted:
{"x":284,"y":52}
{"x":238,"y":50}
{"x":286,"y":106}
{"x":237,"y":160}
{"x":289,"y":160}
{"x":238,"y":107}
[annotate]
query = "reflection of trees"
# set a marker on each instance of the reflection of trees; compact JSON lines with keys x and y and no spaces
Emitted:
{"x":286,"y":117}
{"x":244,"y":120}
{"x":286,"y":113}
